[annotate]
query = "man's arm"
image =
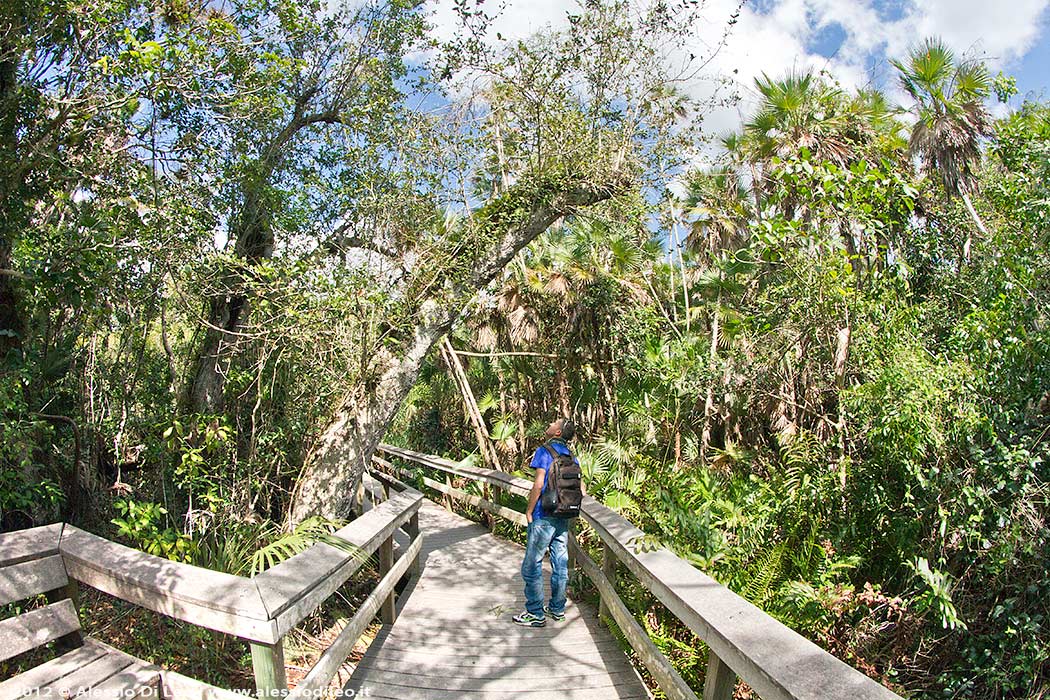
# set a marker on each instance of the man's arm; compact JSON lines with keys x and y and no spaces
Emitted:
{"x":534,"y":495}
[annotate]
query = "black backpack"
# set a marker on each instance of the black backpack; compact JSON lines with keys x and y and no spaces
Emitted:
{"x":564,"y":493}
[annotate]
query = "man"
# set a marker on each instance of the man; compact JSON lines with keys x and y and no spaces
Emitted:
{"x":546,"y":534}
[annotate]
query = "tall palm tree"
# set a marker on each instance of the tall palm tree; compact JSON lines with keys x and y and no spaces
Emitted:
{"x":951,"y":118}
{"x":719,"y":207}
{"x":795,"y":112}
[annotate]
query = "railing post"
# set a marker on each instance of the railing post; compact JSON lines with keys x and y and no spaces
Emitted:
{"x":268,"y":665}
{"x":72,"y":591}
{"x":609,"y":570}
{"x":719,"y":681}
{"x":412,"y":529}
{"x":446,"y":498}
{"x":490,"y":519}
{"x":386,"y":562}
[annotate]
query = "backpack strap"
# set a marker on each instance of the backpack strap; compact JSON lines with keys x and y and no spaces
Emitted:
{"x":554,"y":463}
{"x":550,"y":450}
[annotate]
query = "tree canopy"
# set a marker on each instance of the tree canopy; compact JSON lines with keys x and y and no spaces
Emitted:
{"x":817,"y":367}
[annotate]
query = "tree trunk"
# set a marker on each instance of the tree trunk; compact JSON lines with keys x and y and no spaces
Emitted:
{"x":564,"y":401}
{"x":477,"y":421}
{"x":969,"y":235}
{"x":709,"y":399}
{"x":253,"y":238}
{"x":842,"y":346}
{"x":341,"y":455}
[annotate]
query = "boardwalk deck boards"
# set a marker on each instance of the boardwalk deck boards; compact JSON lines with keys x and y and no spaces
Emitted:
{"x":454,"y":637}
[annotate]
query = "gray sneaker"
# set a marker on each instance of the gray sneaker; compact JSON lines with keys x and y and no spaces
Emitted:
{"x":527,"y":619}
{"x":557,"y":617}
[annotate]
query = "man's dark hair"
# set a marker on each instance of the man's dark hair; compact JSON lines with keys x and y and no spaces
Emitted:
{"x":568,"y":430}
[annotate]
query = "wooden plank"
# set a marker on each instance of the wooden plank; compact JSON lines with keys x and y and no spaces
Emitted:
{"x":211,"y":599}
{"x":510,"y":667}
{"x":669,"y":680}
{"x":139,"y":680}
{"x":514,"y":484}
{"x":34,"y":543}
{"x":519,"y":647}
{"x":88,"y":676}
{"x":411,"y":528}
{"x":477,"y":501}
{"x":175,"y":686}
{"x":609,"y":572}
{"x":386,"y":562}
{"x":70,"y":592}
{"x":540,"y":682}
{"x":374,"y":689}
{"x":56,"y":668}
{"x":598,"y":653}
{"x":776,"y":661}
{"x":294,"y":588}
{"x":36,"y":627}
{"x":385,"y":476}
{"x":30,"y":578}
{"x":333,"y":657}
{"x":487,"y":506}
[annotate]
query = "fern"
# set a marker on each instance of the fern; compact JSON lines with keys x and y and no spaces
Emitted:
{"x":767,"y":575}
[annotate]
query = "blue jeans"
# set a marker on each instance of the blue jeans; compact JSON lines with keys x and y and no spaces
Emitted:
{"x":546,"y":534}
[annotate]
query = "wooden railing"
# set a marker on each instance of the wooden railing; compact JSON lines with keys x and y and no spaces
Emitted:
{"x":778,"y":663}
{"x":260,"y":610}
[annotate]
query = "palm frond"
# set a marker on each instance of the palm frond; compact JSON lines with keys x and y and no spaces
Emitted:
{"x":308,"y":533}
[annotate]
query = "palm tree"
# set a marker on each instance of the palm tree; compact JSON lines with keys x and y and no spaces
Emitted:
{"x":718,"y":205}
{"x":951,"y":118}
{"x":799,"y":111}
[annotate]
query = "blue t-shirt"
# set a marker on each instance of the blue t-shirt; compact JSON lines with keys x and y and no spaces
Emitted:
{"x":543,"y":460}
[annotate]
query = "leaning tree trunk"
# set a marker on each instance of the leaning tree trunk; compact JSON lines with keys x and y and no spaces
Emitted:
{"x":342,"y":453}
{"x":470,"y":404}
{"x":968,"y":243}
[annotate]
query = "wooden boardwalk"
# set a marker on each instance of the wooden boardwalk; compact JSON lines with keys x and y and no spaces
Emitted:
{"x":454,"y":637}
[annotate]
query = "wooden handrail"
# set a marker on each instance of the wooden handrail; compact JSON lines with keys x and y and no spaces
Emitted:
{"x":26,"y":545}
{"x":773,"y":659}
{"x":260,"y":610}
{"x":295,"y":587}
{"x":212,"y":599}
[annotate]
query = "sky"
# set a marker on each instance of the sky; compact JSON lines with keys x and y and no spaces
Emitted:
{"x":849,"y":38}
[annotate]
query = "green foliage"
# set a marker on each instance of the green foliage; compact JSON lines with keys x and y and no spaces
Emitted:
{"x":144,"y":526}
{"x":305,"y":535}
{"x":832,"y":395}
{"x":936,"y":594}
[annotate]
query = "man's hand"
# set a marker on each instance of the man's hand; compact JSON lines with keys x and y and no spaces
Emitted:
{"x":528,"y":517}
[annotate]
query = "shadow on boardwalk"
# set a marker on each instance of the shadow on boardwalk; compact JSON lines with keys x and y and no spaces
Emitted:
{"x":454,"y":637}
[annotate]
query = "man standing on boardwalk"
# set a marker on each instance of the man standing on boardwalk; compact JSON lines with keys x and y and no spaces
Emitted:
{"x":546,"y":533}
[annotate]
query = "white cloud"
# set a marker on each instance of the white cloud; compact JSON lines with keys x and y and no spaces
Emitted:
{"x":780,"y":38}
{"x":1001,"y":33}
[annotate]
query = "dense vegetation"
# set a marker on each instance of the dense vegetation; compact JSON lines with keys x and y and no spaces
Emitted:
{"x":819,"y":369}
